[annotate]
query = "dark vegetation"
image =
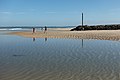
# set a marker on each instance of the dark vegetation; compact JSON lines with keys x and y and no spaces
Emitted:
{"x":96,"y":27}
{"x":17,"y":55}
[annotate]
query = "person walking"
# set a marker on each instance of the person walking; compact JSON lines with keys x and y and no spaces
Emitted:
{"x":45,"y":29}
{"x":41,"y":28}
{"x":33,"y":30}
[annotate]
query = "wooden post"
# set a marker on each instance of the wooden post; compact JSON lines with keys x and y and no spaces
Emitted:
{"x":82,"y":19}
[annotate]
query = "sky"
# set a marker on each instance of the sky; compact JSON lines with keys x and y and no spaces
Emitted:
{"x":58,"y":12}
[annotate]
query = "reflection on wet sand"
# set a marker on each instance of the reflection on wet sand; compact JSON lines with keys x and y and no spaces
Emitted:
{"x":58,"y":59}
{"x":33,"y":39}
{"x":45,"y":39}
{"x":82,"y":43}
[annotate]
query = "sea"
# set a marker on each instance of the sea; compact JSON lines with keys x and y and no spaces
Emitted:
{"x":24,"y":58}
{"x":17,"y":28}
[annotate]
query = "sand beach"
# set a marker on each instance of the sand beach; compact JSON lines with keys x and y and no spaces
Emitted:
{"x":66,"y":33}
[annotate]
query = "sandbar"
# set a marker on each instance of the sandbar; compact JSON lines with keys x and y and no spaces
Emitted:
{"x":66,"y":33}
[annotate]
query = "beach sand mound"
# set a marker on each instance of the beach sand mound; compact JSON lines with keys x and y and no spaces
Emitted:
{"x":94,"y":34}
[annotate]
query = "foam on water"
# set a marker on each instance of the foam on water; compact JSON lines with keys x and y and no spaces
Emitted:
{"x":11,"y":29}
{"x":15,"y":29}
{"x":58,"y":59}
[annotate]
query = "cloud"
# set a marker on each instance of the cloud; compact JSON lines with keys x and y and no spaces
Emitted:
{"x":67,"y":19}
{"x":32,"y":10}
{"x":6,"y":12}
{"x":20,"y":13}
{"x":51,"y":12}
{"x":115,"y":9}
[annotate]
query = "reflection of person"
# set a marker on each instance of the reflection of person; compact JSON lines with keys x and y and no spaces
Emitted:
{"x":45,"y":29}
{"x":33,"y":30}
{"x":45,"y":39}
{"x":33,"y":39}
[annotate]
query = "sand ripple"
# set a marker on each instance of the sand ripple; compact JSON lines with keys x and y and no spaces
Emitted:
{"x":60,"y":59}
{"x":101,"y":35}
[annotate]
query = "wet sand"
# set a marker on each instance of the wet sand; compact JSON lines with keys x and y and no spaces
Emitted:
{"x":65,"y":33}
{"x":59,"y":59}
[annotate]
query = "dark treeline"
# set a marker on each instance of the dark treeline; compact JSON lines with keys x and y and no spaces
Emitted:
{"x":96,"y":27}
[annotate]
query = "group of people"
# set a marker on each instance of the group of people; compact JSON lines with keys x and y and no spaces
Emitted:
{"x":41,"y":29}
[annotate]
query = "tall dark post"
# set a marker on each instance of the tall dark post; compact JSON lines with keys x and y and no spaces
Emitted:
{"x":82,"y":19}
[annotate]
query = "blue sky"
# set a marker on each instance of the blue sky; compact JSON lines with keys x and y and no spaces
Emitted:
{"x":58,"y":12}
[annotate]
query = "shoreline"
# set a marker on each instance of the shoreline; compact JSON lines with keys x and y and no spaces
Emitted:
{"x":65,"y":33}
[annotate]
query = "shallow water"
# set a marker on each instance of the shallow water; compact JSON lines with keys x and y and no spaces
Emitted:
{"x":58,"y":59}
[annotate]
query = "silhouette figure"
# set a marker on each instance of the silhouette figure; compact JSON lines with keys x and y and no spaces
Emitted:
{"x":33,"y":30}
{"x":41,"y":28}
{"x":45,"y":29}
